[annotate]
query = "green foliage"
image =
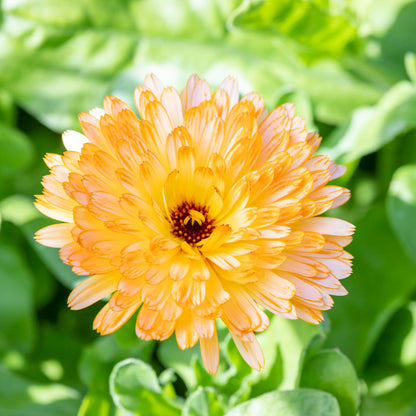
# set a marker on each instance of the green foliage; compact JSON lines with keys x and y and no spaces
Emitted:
{"x":377,"y":292}
{"x":350,"y":68}
{"x":19,"y":396}
{"x":401,"y":204}
{"x":299,"y":402}
{"x":311,"y":24}
{"x":203,"y":402}
{"x":16,"y":150}
{"x":17,"y":325}
{"x":372,"y":127}
{"x":135,"y":387}
{"x":71,"y":35}
{"x":333,"y":372}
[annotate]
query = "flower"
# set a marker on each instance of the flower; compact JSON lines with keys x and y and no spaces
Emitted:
{"x":205,"y":208}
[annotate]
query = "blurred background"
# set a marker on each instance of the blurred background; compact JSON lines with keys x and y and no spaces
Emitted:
{"x":350,"y":68}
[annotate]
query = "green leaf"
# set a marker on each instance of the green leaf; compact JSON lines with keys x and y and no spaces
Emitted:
{"x":203,"y":402}
{"x":373,"y":127}
{"x":383,"y":278}
{"x":397,"y":39}
{"x":134,"y":387}
{"x":397,"y":346}
{"x":299,"y":402}
{"x":309,"y":24}
{"x":398,"y":400}
{"x":17,"y":323}
{"x":410,"y":64}
{"x":74,"y":62}
{"x":332,"y":371}
{"x":7,"y":108}
{"x":95,"y":405}
{"x":401,"y":207}
{"x":22,"y":397}
{"x":16,"y":150}
{"x":283,"y":343}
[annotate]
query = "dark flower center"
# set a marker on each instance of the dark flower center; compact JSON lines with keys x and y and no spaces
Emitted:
{"x":191,"y":222}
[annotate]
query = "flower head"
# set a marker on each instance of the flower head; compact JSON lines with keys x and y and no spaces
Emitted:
{"x":205,"y":208}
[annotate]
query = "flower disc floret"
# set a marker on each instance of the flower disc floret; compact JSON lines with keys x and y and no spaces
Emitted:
{"x":191,"y":223}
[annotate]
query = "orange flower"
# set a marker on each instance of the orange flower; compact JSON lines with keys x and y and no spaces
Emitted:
{"x":205,"y":208}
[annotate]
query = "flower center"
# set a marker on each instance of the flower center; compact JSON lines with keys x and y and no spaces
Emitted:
{"x":191,"y":222}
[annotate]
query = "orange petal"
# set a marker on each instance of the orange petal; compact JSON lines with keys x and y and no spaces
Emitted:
{"x":250,"y":351}
{"x":210,"y":352}
{"x":92,"y":290}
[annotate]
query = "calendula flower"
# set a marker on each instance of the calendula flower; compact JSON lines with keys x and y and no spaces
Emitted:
{"x":205,"y":208}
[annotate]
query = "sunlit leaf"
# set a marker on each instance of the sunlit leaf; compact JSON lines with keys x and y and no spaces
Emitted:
{"x":308,"y":23}
{"x":134,"y":387}
{"x":299,"y":402}
{"x":372,"y":127}
{"x":60,"y":83}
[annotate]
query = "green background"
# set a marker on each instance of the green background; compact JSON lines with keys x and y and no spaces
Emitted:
{"x":350,"y":68}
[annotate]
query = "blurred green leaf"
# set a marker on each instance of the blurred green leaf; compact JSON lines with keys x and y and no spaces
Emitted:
{"x":7,"y":108}
{"x":400,"y":401}
{"x":396,"y":39}
{"x":13,"y":236}
{"x":58,"y":346}
{"x":57,"y":42}
{"x":299,"y":402}
{"x":396,"y":347}
{"x":333,"y":372}
{"x":95,"y":405}
{"x":16,"y":150}
{"x":382,"y":280}
{"x":203,"y":402}
{"x":17,"y":323}
{"x":135,"y":388}
{"x":310,"y":24}
{"x":401,"y":207}
{"x":410,"y":64}
{"x":372,"y":127}
{"x":20,"y":397}
{"x":18,"y":209}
